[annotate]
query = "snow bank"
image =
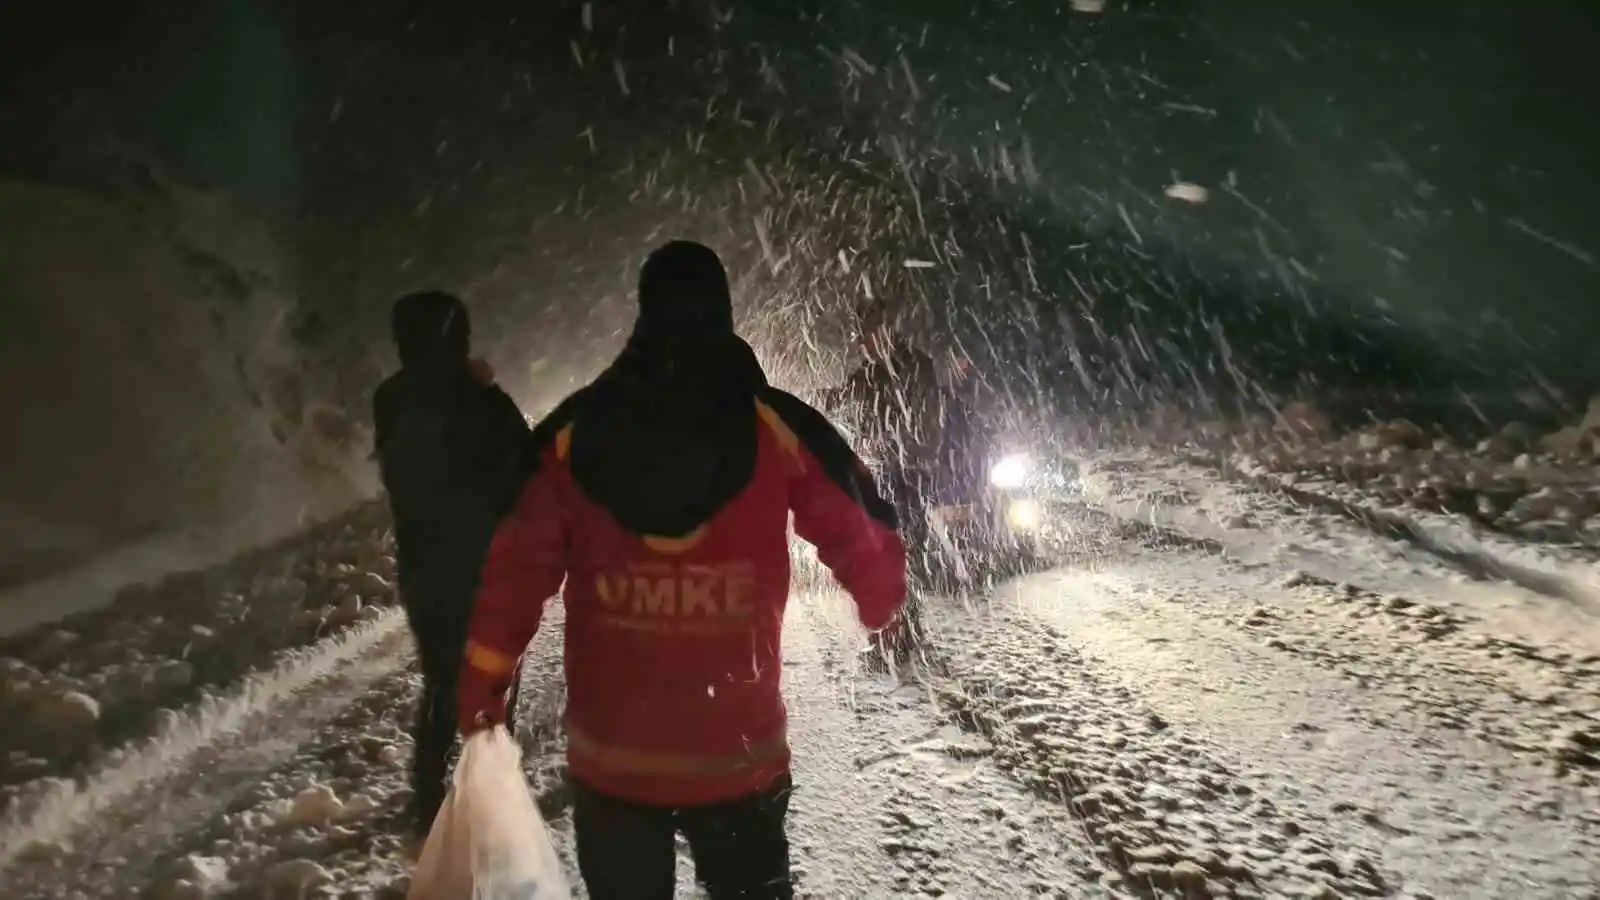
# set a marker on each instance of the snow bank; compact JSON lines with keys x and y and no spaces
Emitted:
{"x":63,"y":807}
{"x":158,"y":416}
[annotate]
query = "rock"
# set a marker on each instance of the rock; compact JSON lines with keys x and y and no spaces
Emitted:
{"x":70,"y":709}
{"x":316,"y":805}
{"x":296,"y":878}
{"x":1517,"y":435}
{"x":172,"y":676}
{"x":196,"y":878}
{"x":30,"y":767}
{"x":40,"y":850}
{"x":15,"y":670}
{"x":358,"y":805}
{"x":56,"y":644}
{"x":1496,"y":447}
{"x":1304,"y":579}
{"x":1399,"y":434}
{"x":167,"y":720}
{"x":347,"y":612}
{"x":374,"y":586}
{"x":1541,"y":504}
{"x":1575,"y":442}
{"x":1301,"y":421}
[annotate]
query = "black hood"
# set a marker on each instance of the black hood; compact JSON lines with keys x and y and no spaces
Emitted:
{"x":683,"y":292}
{"x":667,"y":435}
{"x":430,"y":328}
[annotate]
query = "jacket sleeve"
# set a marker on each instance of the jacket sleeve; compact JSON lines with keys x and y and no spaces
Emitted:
{"x":506,"y":453}
{"x":838,"y":509}
{"x":382,"y":424}
{"x":525,"y":567}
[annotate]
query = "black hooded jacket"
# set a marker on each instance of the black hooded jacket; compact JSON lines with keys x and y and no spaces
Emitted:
{"x":667,"y":435}
{"x":453,"y":451}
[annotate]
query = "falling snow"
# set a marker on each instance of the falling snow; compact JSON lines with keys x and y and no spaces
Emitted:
{"x":1313,"y":610}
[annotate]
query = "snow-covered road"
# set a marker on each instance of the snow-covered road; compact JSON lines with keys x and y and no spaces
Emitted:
{"x":1158,"y":713}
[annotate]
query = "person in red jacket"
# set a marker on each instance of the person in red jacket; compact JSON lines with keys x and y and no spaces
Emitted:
{"x":663,"y":499}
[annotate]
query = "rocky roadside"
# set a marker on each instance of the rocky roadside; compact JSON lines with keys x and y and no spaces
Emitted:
{"x":1512,"y":483}
{"x":279,"y":810}
{"x":90,"y":684}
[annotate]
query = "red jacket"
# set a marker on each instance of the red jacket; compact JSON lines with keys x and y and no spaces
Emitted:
{"x":673,"y":650}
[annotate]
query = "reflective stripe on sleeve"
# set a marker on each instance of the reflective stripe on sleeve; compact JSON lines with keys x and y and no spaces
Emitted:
{"x":488,"y":660}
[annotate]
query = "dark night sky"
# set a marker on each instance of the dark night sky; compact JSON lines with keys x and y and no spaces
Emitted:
{"x":1398,"y":190}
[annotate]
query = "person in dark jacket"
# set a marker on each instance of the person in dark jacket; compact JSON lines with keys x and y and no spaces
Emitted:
{"x":453,"y":450}
{"x":897,"y":406}
{"x":663,"y":500}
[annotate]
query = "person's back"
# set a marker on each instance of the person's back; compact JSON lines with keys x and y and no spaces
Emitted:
{"x":448,"y":450}
{"x":453,"y":451}
{"x":663,"y":498}
{"x":895,"y":396}
{"x":900,"y":408}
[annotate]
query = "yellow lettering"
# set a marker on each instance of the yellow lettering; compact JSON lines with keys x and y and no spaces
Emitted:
{"x":739,"y":590}
{"x":654,"y":596}
{"x":613,"y":590}
{"x":698,"y":594}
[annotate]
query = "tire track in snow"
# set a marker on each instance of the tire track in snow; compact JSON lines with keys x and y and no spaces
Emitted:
{"x":1353,"y":765}
{"x":1166,"y":811}
{"x":889,"y":800}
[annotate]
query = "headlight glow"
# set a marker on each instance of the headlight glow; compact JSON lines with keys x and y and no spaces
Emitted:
{"x":1025,"y":515}
{"x":1010,"y":472}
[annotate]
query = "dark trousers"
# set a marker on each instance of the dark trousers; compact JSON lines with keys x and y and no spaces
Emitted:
{"x":627,"y":851}
{"x":441,"y":650}
{"x":434,"y":734}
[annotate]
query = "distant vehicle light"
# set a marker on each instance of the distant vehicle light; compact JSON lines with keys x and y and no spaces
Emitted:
{"x":1011,"y":471}
{"x":1025,"y":515}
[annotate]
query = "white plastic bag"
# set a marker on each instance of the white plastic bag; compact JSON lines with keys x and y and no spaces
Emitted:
{"x":489,"y":841}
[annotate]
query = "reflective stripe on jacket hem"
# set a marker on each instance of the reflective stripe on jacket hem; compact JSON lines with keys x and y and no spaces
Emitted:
{"x":597,"y":756}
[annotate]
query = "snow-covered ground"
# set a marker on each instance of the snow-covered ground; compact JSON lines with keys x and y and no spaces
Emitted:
{"x":1211,"y":691}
